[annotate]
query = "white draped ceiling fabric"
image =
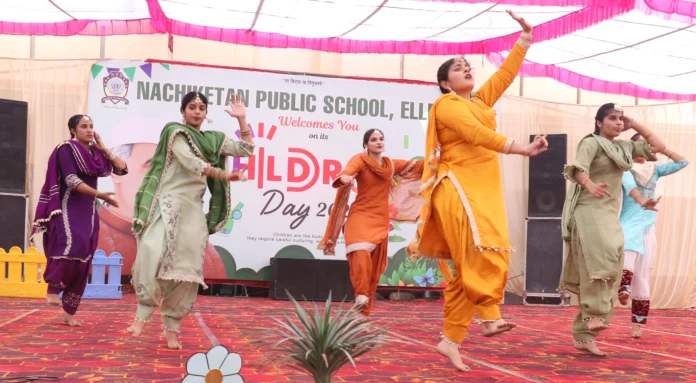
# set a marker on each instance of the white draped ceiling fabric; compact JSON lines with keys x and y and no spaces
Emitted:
{"x":640,"y":48}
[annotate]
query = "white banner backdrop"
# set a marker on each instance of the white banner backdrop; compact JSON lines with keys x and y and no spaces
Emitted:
{"x":305,"y":129}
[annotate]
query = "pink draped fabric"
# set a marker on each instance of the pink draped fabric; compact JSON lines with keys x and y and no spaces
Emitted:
{"x":596,"y":12}
{"x":589,"y":83}
{"x":79,"y":27}
{"x":593,"y":12}
{"x":676,"y":10}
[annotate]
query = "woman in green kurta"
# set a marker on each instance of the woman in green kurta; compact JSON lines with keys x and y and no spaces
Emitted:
{"x":591,"y":227}
{"x":169,"y":223}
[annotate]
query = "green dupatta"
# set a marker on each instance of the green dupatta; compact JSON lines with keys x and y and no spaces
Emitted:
{"x":208,"y":146}
{"x":619,"y":151}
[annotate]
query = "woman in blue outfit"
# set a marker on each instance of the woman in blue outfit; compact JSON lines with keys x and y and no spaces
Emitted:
{"x":638,"y":223}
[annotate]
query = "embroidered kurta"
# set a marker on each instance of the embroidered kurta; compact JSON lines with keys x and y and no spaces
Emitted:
{"x":635,"y":220}
{"x":469,"y":147}
{"x":180,"y":211}
{"x":116,"y":236}
{"x":73,"y":235}
{"x":595,"y":230}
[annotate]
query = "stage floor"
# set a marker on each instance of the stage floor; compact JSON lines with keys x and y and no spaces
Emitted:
{"x":33,"y":341}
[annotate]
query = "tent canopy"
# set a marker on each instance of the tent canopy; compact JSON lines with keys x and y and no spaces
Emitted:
{"x":641,"y":48}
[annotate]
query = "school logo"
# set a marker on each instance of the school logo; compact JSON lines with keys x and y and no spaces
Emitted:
{"x":115,"y":87}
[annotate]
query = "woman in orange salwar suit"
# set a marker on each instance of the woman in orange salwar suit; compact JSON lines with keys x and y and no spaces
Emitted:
{"x":463,"y":218}
{"x":381,"y":182}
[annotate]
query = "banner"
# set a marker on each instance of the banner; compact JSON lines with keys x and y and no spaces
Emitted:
{"x":305,"y":129}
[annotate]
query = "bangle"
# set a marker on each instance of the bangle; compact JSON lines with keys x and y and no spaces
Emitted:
{"x":110,"y":155}
{"x":525,"y":40}
{"x":96,"y":193}
{"x":508,"y":146}
{"x":218,"y":174}
{"x":245,"y":133}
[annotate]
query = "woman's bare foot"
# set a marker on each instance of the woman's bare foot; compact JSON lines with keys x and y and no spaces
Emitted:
{"x":497,"y":327}
{"x":172,"y":341}
{"x":590,"y":347}
{"x":595,"y":324}
{"x":70,"y":320}
{"x":136,"y":329}
{"x":452,"y":352}
{"x":53,"y":299}
{"x":635,"y":332}
{"x":623,"y":297}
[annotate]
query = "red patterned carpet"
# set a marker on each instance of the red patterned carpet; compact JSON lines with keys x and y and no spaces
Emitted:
{"x":34,"y":342}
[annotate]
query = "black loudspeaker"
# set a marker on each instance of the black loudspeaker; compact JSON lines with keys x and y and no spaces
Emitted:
{"x":310,"y":279}
{"x":543,"y":261}
{"x":547,"y":186}
{"x":13,"y":218}
{"x":13,"y":146}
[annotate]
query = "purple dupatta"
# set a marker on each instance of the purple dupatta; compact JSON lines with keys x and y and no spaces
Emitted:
{"x":88,"y":164}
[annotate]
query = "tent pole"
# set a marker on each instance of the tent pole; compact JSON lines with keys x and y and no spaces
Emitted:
{"x":401,"y":66}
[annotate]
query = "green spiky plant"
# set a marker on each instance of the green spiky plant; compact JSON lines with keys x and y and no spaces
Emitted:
{"x":321,"y":343}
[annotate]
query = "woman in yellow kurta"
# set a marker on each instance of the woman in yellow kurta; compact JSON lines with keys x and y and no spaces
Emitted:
{"x":382,"y":183}
{"x":464,"y":215}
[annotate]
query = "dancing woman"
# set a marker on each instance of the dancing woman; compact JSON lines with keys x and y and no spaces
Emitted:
{"x":638,"y":222}
{"x":590,"y":224}
{"x":464,"y":215}
{"x":66,"y":212}
{"x":169,"y":223}
{"x":387,"y":188}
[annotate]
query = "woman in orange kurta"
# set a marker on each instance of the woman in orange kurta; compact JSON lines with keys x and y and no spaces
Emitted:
{"x":463,"y":218}
{"x":381,"y":182}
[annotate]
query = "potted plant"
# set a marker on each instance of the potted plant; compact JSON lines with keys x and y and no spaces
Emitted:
{"x":320,"y":343}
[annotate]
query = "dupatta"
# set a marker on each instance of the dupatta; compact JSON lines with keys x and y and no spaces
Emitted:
{"x":432,"y":151}
{"x":208,"y":146}
{"x":643,"y":173}
{"x":619,"y":151}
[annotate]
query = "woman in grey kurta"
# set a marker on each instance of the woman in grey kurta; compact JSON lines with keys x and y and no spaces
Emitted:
{"x":591,"y":227}
{"x":170,"y":225}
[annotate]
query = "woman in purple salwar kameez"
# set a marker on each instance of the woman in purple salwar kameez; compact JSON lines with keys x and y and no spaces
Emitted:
{"x":66,"y":212}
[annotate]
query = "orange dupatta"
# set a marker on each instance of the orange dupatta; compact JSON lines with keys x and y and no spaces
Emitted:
{"x":403,"y":194}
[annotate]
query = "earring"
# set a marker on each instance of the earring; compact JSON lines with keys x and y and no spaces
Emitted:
{"x":183,"y":119}
{"x":452,"y":91}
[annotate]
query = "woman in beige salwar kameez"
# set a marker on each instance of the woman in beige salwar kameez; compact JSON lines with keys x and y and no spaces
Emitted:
{"x":169,"y":223}
{"x":591,"y":227}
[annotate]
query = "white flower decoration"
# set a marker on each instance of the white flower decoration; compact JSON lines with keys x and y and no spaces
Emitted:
{"x":217,"y":366}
